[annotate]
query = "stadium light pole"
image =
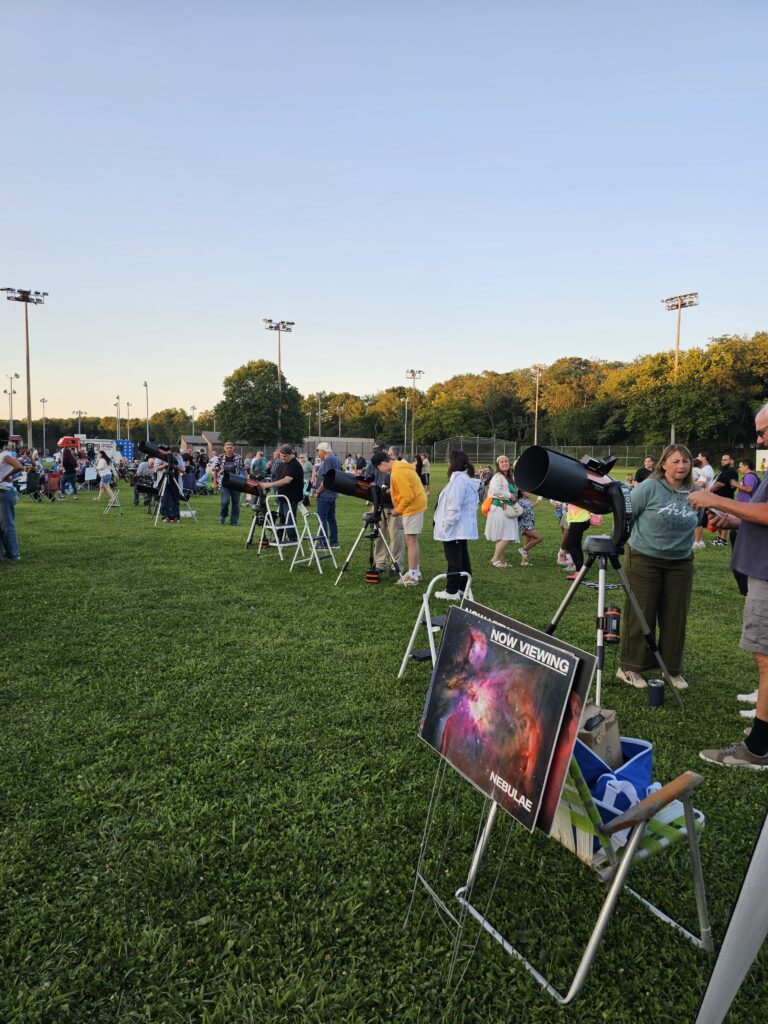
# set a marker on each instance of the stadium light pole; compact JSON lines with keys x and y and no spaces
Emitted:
{"x":538,"y":367}
{"x":413,"y":376}
{"x":10,"y":391}
{"x":319,"y":416}
{"x":42,"y":402}
{"x":193,"y":409}
{"x":679,"y":302}
{"x":79,"y":413}
{"x":282,"y":326}
{"x":117,"y":424}
{"x":405,"y":426}
{"x":128,"y":428}
{"x":37,"y":299}
{"x":146,"y":388}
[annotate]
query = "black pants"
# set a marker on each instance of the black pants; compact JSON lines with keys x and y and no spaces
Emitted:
{"x":741,"y":579}
{"x":573,"y":545}
{"x":457,"y":557}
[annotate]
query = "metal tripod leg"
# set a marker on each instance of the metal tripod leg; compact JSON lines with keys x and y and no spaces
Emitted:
{"x":352,"y":550}
{"x":650,"y":640}
{"x":251,"y":531}
{"x":376,"y":533}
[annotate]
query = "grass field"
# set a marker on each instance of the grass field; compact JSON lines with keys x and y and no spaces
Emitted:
{"x":213,"y":793}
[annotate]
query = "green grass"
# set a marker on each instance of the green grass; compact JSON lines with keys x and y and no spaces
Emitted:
{"x":213,"y":793}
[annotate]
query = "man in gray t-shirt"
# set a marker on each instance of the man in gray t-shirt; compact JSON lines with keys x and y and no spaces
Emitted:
{"x":750,"y":556}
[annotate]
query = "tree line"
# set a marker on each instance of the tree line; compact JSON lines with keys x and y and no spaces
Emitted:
{"x":711,"y":400}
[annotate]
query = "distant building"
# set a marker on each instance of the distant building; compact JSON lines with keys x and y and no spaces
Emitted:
{"x":193,"y":443}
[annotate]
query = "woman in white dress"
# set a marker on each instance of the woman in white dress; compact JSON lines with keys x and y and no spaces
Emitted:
{"x":499,"y":527}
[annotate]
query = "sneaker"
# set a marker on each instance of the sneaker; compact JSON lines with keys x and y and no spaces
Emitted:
{"x":335,"y":547}
{"x":747,"y":698}
{"x":562,"y":557}
{"x":524,"y":562}
{"x":735,"y":756}
{"x":522,"y":552}
{"x":572,"y":576}
{"x":698,"y":544}
{"x":443,"y":595}
{"x":407,"y":580}
{"x":748,"y":713}
{"x":626,"y":675}
{"x":679,"y":682}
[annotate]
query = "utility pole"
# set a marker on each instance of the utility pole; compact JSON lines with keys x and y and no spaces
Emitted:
{"x":37,"y":299}
{"x":117,"y":406}
{"x":281,"y":326}
{"x":128,"y":428}
{"x":146,"y":389}
{"x":193,"y":409}
{"x":413,"y":375}
{"x":10,"y":391}
{"x":42,"y":402}
{"x":79,"y":413}
{"x":538,"y":367}
{"x":679,"y":302}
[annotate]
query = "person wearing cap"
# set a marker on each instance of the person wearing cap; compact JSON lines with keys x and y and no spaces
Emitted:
{"x":326,"y":500}
{"x":290,"y":485}
{"x":393,"y":525}
{"x":231,"y":463}
{"x":409,"y":500}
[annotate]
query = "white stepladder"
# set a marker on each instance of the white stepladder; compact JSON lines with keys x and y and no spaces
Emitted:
{"x":317,"y":540}
{"x":273,"y":526}
{"x":432,"y":624}
{"x":114,"y":502}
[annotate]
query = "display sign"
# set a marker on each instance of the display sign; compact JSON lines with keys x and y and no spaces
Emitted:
{"x":502,"y":694}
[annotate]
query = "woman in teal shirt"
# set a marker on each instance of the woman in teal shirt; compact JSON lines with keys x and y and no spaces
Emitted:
{"x":659,"y":566}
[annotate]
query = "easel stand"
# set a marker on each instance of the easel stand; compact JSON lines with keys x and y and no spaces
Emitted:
{"x":603,"y":551}
{"x":371,"y":520}
{"x":317,"y":541}
{"x":432,"y":623}
{"x":274,"y":527}
{"x":114,"y":502}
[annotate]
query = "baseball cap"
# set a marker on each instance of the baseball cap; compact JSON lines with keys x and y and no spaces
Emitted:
{"x":286,"y":449}
{"x":323,"y":447}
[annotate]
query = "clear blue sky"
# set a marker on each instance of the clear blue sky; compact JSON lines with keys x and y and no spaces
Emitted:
{"x":445,"y":186}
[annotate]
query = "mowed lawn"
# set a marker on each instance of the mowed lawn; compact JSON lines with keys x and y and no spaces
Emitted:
{"x":213,"y":793}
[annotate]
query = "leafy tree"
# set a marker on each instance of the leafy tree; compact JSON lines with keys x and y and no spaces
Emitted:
{"x":249,"y":408}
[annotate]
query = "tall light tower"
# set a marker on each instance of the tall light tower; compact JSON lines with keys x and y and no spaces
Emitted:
{"x":79,"y":413}
{"x":679,"y":302}
{"x":146,"y":388}
{"x":281,"y":326}
{"x":117,"y":406}
{"x":10,"y":391}
{"x":128,"y":428}
{"x":194,"y":410}
{"x":42,"y":402}
{"x":538,"y":367}
{"x":413,"y":376}
{"x":37,"y":299}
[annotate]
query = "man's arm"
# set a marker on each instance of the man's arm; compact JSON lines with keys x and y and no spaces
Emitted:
{"x":752,"y":512}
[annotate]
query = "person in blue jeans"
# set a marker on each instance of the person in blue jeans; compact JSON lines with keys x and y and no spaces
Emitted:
{"x":326,"y":500}
{"x":9,"y":464}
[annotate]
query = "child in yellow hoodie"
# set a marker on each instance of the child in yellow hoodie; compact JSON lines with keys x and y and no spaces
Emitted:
{"x":410,"y":500}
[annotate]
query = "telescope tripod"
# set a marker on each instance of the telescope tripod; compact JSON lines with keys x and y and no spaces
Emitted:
{"x":174,"y":477}
{"x":603,"y":551}
{"x":372,"y":520}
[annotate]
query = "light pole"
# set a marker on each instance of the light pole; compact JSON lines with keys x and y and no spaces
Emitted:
{"x":538,"y":367}
{"x":319,"y":417}
{"x":37,"y":299}
{"x":413,"y":375}
{"x":194,"y":410}
{"x":128,"y":428}
{"x":281,"y":326}
{"x":42,"y":402}
{"x":10,"y":391}
{"x":679,"y":302}
{"x":405,"y":426}
{"x":117,"y":406}
{"x":79,"y":413}
{"x":146,"y":388}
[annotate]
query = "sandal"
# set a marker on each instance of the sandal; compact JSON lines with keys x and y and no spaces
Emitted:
{"x":501,"y":565}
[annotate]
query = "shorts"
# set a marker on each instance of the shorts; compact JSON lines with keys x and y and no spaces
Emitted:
{"x":106,"y":479}
{"x":754,"y":632}
{"x":413,"y":524}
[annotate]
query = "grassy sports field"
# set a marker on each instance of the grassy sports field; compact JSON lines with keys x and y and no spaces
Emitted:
{"x":213,"y":793}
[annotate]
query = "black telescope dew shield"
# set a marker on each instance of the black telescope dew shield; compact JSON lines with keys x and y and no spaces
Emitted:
{"x":586,"y":484}
{"x":233,"y":482}
{"x":344,"y":483}
{"x":155,"y":451}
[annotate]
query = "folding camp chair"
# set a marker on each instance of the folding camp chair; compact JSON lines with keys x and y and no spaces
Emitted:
{"x":52,"y":487}
{"x":663,"y":819}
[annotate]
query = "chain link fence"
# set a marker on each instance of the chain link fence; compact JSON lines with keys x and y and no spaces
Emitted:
{"x":482,"y":450}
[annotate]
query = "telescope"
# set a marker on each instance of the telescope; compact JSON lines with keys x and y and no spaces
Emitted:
{"x":239,"y":483}
{"x":585,"y":483}
{"x":344,"y":483}
{"x":155,"y":451}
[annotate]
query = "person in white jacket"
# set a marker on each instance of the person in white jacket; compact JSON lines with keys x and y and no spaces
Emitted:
{"x":456,"y":522}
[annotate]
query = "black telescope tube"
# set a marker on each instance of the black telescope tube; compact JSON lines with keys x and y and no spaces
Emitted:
{"x":552,"y":475}
{"x":239,"y":483}
{"x":345,"y":483}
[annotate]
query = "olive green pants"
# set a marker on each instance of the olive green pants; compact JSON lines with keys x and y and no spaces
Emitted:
{"x":663,"y":590}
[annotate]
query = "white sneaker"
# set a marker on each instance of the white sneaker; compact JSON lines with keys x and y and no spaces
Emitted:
{"x":443,"y":595}
{"x":626,"y":675}
{"x":562,"y":558}
{"x":747,"y":698}
{"x":679,"y":682}
{"x":698,"y":545}
{"x":748,"y":713}
{"x":407,"y":580}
